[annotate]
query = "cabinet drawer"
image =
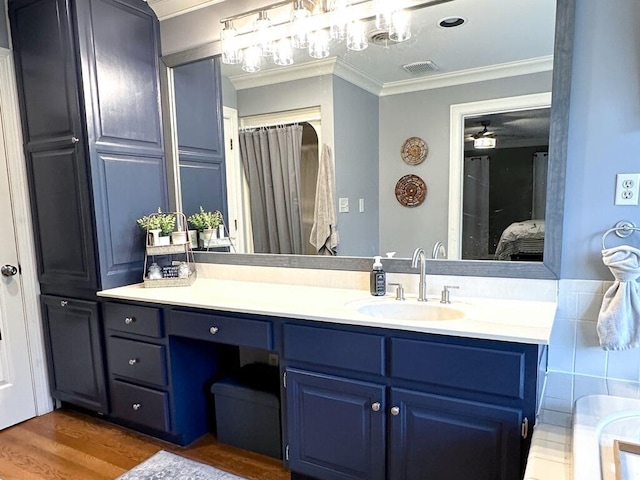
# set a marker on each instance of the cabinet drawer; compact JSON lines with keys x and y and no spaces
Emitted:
{"x":335,"y":348}
{"x":133,"y":319}
{"x":221,"y":329}
{"x":478,"y":369}
{"x":141,"y":405}
{"x":137,"y":360}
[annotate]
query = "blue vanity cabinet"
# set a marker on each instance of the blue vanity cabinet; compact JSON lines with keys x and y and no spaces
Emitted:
{"x":73,"y":343}
{"x":336,"y":426}
{"x":441,"y":437}
{"x":443,"y":407}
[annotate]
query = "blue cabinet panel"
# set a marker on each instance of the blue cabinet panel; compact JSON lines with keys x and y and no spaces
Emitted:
{"x":126,"y":66}
{"x":64,"y":234}
{"x":203,"y":184}
{"x":46,"y":69}
{"x":333,"y":431}
{"x":441,"y":438}
{"x":74,"y":352}
{"x":335,"y":348}
{"x":198,"y":112}
{"x":198,"y":98}
{"x":133,"y":187}
{"x":478,"y":369}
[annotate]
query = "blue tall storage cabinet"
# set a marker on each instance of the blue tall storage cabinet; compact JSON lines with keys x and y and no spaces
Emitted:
{"x":88,"y":84}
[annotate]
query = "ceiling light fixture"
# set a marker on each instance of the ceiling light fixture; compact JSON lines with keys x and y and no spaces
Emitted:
{"x":484,"y":138}
{"x":312,"y":25}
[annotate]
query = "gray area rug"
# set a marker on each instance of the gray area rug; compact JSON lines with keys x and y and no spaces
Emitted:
{"x":168,"y":466}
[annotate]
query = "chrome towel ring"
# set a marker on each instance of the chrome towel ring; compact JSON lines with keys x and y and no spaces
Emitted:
{"x":623,"y":229}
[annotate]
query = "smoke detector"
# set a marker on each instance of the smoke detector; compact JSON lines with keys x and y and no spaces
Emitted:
{"x":420,"y":68}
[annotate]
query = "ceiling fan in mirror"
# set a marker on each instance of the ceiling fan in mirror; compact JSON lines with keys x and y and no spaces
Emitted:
{"x":484,"y":139}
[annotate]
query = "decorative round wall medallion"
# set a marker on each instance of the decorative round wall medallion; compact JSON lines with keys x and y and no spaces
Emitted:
{"x":414,"y":150}
{"x":411,"y":191}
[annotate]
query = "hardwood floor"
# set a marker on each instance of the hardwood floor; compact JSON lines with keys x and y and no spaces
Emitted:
{"x":67,"y":445}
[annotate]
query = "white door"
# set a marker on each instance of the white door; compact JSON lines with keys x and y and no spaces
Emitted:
{"x":17,"y":394}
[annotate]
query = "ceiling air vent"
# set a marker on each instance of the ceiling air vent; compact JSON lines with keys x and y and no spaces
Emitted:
{"x":379,"y":37}
{"x":420,"y":68}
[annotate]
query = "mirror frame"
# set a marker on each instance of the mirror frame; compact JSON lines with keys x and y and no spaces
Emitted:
{"x":549,"y":268}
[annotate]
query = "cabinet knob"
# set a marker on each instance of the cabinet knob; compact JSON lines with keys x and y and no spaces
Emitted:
{"x":375,"y":406}
{"x":75,"y":140}
{"x":133,"y":361}
{"x":129,"y":320}
{"x":136,"y":406}
{"x":213,"y":330}
{"x":63,"y":303}
{"x":395,"y":411}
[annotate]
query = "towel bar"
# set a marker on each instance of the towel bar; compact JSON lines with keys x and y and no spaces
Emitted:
{"x":623,"y":229}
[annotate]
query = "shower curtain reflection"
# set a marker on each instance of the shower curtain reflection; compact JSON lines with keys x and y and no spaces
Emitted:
{"x":275,"y":167}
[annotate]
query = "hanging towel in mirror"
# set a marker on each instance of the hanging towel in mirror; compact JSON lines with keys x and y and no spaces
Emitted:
{"x":324,"y":233}
{"x":619,"y":318}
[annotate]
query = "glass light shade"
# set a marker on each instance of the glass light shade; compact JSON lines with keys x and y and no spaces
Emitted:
{"x":400,"y":28}
{"x":283,"y":52}
{"x":357,"y":36}
{"x":252,"y":59}
{"x":300,"y":26}
{"x":319,"y":44}
{"x":262,"y":30}
{"x":484,"y":142}
{"x":340,"y":18}
{"x":231,"y":53}
{"x":384,"y":10}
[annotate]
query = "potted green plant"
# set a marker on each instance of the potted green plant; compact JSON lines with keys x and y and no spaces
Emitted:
{"x":206,"y":224}
{"x":159,"y":225}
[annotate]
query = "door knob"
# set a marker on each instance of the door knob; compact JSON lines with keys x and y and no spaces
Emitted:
{"x":8,"y":270}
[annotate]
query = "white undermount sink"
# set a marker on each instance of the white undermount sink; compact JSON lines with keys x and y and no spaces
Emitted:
{"x":412,"y":310}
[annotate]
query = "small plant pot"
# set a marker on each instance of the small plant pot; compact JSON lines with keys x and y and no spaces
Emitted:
{"x":164,"y":240}
{"x":206,"y":236}
{"x":179,"y":238}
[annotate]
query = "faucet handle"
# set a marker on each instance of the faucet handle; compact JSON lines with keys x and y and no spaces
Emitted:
{"x":444,"y":297}
{"x":399,"y":290}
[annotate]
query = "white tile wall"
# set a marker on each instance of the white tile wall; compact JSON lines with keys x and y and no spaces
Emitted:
{"x":574,"y":346}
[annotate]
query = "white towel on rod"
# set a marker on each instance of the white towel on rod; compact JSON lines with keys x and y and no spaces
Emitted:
{"x":324,"y":233}
{"x":619,"y":318}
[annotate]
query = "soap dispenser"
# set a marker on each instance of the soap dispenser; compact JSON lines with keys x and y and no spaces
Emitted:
{"x":378,"y":278}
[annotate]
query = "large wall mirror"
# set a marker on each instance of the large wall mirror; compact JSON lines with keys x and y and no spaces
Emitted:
{"x":366,"y":106}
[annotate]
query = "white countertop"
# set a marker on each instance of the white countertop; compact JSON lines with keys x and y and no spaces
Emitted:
{"x":520,"y":321}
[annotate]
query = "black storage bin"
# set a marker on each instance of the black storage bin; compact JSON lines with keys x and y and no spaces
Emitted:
{"x":247,"y":409}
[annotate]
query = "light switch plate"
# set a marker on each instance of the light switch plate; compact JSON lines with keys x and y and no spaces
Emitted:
{"x":343,"y":205}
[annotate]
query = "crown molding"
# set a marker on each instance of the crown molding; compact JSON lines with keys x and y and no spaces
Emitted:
{"x":328,"y":66}
{"x":482,"y":74}
{"x":166,"y":9}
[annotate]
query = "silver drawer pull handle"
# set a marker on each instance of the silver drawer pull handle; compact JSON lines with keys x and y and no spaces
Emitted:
{"x":375,"y":406}
{"x":213,"y":330}
{"x":136,"y":406}
{"x":63,"y":303}
{"x":395,"y":411}
{"x":129,"y":320}
{"x":133,"y":361}
{"x":75,"y":139}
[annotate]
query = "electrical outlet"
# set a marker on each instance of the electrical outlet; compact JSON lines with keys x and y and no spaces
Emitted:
{"x":627,"y":188}
{"x":273,"y":359}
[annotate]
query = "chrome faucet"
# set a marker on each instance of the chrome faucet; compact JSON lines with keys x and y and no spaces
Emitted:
{"x":422,"y":285}
{"x":438,"y":248}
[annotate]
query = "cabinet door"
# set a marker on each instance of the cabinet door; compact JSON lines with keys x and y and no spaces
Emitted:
{"x":54,"y":145}
{"x":336,"y":427}
{"x":441,"y":438}
{"x":74,"y":352}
